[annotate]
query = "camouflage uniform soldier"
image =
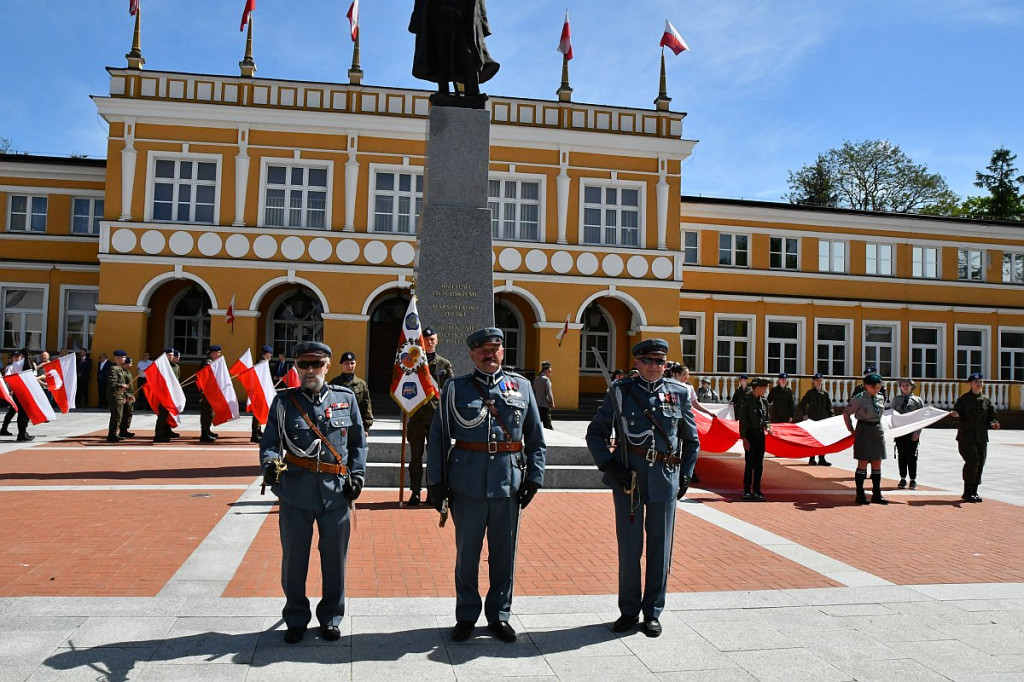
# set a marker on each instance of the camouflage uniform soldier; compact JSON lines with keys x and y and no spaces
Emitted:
{"x":349,"y":380}
{"x":119,"y":387}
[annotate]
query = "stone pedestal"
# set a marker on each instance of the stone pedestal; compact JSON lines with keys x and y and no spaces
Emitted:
{"x":454,"y":281}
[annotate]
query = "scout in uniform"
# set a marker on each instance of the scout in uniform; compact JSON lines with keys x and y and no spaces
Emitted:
{"x":349,"y":380}
{"x":817,"y":405}
{"x":313,"y":455}
{"x":649,"y":469}
{"x":119,"y":389}
{"x":754,"y":425}
{"x":781,"y":401}
{"x":419,"y":423}
{"x":906,"y":446}
{"x":975,"y":415}
{"x":485,"y":457}
{"x":868,"y":438}
{"x":206,"y":435}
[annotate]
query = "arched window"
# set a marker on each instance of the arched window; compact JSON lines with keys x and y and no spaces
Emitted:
{"x":296,"y":317}
{"x":506,"y":318}
{"x":190,"y":322}
{"x":597,"y":333}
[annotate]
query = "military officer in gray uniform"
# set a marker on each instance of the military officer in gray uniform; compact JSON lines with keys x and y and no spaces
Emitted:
{"x":648,"y":471}
{"x":315,"y":431}
{"x":485,"y":456}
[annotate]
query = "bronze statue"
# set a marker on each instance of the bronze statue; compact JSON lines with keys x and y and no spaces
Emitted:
{"x":450,"y":44}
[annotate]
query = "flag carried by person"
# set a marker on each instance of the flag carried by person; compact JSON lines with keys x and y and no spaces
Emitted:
{"x":291,"y":378}
{"x":214,"y":381}
{"x":29,"y":393}
{"x":250,"y":7}
{"x":563,"y":331}
{"x":163,"y":389}
{"x":133,"y":7}
{"x":5,"y":395}
{"x":243,"y":363}
{"x":62,"y":381}
{"x":565,"y":42}
{"x":353,"y":20}
{"x":411,"y":383}
{"x":259,"y":386}
{"x":672,"y":40}
{"x":229,"y":314}
{"x":15,"y":367}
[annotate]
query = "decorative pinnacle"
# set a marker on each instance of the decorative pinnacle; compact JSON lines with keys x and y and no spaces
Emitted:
{"x":247,"y":65}
{"x":661,"y":103}
{"x":355,"y":73}
{"x":135,"y":58}
{"x":564,"y":92}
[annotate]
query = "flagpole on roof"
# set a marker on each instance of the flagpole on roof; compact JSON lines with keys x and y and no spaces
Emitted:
{"x":564,"y":91}
{"x":355,"y":72}
{"x":661,"y":103}
{"x":134,"y":57}
{"x":247,"y":65}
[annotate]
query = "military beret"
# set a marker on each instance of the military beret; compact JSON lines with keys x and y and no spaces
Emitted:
{"x":177,"y":353}
{"x":266,"y":349}
{"x":783,"y":375}
{"x":429,"y":331}
{"x":169,"y":350}
{"x":347,"y":356}
{"x":743,"y":376}
{"x":312,"y":348}
{"x":650,"y":346}
{"x":213,"y":348}
{"x":485,"y":335}
{"x":706,"y":381}
{"x":817,"y":375}
{"x":872,"y":379}
{"x":120,"y":354}
{"x":976,"y":376}
{"x":545,"y":365}
{"x":907,"y":381}
{"x":870,"y":370}
{"x":755,"y":383}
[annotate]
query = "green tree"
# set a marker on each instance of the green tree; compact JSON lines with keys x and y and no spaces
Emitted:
{"x":813,"y":186}
{"x":872,"y":175}
{"x":1005,"y":200}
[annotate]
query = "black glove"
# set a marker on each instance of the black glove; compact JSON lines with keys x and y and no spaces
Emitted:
{"x":684,"y":484}
{"x":352,"y":488}
{"x":527,"y":490}
{"x":616,"y":469}
{"x":438,"y":493}
{"x":269,"y":477}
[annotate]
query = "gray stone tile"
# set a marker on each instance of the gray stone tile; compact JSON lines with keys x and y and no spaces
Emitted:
{"x":432,"y":666}
{"x":941,"y":613}
{"x":232,"y":607}
{"x":418,"y":606}
{"x":721,"y":675}
{"x":842,"y":610}
{"x":1013,"y":662}
{"x":787,"y":665}
{"x":749,"y":599}
{"x":95,"y":663}
{"x":290,"y":663}
{"x":986,"y":604}
{"x":195,"y":672}
{"x":952,"y":658}
{"x":20,"y":673}
{"x":98,"y":606}
{"x":973,"y":591}
{"x":610,"y":668}
{"x":676,"y":649}
{"x":14,"y":622}
{"x":207,"y":647}
{"x":581,"y":603}
{"x":218,"y":624}
{"x":837,"y":647}
{"x":903,"y":669}
{"x":550,"y":621}
{"x":27,"y":648}
{"x":740,"y":636}
{"x":104,"y":631}
{"x":992,"y":638}
{"x":882,"y":594}
{"x":895,"y":628}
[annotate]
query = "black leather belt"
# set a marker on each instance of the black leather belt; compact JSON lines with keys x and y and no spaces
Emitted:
{"x":316,"y":466}
{"x":654,"y":456}
{"x":491,"y":446}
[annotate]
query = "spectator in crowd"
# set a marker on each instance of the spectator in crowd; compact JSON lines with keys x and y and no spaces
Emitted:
{"x":102,"y":375}
{"x":83,"y":370}
{"x":545,"y":398}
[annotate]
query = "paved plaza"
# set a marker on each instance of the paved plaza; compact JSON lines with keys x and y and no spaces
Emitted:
{"x":151,"y":562}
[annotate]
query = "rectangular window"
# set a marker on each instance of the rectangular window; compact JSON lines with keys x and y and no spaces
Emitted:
{"x":690,"y":253}
{"x":23,"y":312}
{"x":969,"y":265}
{"x":970,"y":351}
{"x":295,"y":196}
{"x":926,"y":262}
{"x":783,"y":253}
{"x":1011,"y":355}
{"x":611,"y":216}
{"x":732,"y":345}
{"x":397,"y":201}
{"x":184,"y":191}
{"x":1013,"y":268}
{"x":27,"y":213}
{"x":86,"y":215}
{"x":925,"y":352}
{"x":689,"y":339}
{"x":515,"y":209}
{"x":79,"y":317}
{"x":879,"y":347}
{"x":831,"y":349}
{"x":879,"y":259}
{"x":783,"y":346}
{"x":831,"y":256}
{"x":734,"y":249}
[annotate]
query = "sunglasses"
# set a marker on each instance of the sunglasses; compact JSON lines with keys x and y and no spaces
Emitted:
{"x":310,"y":364}
{"x":652,"y":361}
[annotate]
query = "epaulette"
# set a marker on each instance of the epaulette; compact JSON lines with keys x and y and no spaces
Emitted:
{"x":342,"y":389}
{"x":515,"y":375}
{"x":673,"y":380}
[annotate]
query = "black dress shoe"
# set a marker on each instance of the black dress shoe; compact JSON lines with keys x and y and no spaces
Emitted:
{"x":331,"y":633}
{"x":502,"y":630}
{"x":24,"y":437}
{"x":625,"y":623}
{"x":206,"y":439}
{"x":6,"y":432}
{"x":161,"y":440}
{"x":255,"y":439}
{"x":824,"y":463}
{"x":114,"y":439}
{"x":294,"y":635}
{"x":759,"y":497}
{"x":811,"y":462}
{"x":747,"y":495}
{"x":215,"y":435}
{"x":414,"y":498}
{"x":652,"y":628}
{"x":126,"y":434}
{"x":462,"y":630}
{"x":175,"y":434}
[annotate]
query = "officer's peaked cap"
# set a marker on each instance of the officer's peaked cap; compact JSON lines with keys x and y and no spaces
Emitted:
{"x":169,"y":351}
{"x":312,"y":348}
{"x":976,"y":376}
{"x":650,"y":346}
{"x":817,"y":375}
{"x":484,"y":336}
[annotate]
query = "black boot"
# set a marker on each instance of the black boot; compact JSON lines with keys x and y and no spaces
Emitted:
{"x":859,"y":477}
{"x":966,"y":497}
{"x":113,"y":437}
{"x":876,"y":489}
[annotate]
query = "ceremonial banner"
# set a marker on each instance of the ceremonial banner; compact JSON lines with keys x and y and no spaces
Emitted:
{"x":214,"y":381}
{"x":411,"y":383}
{"x":14,"y":367}
{"x":54,"y":376}
{"x":29,"y":393}
{"x":243,"y":363}
{"x":162,"y":389}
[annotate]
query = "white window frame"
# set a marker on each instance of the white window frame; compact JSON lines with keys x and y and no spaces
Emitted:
{"x":29,"y":198}
{"x":848,"y":343}
{"x":520,"y":178}
{"x":371,"y":207}
{"x":604,"y":184}
{"x":290,"y":163}
{"x":65,"y":291}
{"x":94,"y":216}
{"x":1008,"y":276}
{"x":699,"y":337}
{"x":999,"y":331}
{"x":733,"y":250}
{"x":684,"y":249}
{"x":986,"y":345}
{"x":800,"y":337}
{"x":968,"y":253}
{"x":917,"y":258}
{"x":45,"y":288}
{"x":941,"y":342}
{"x":783,"y":254}
{"x":871,"y":265}
{"x":830,"y":245}
{"x":751,"y":321}
{"x":895,"y":326}
{"x":153,"y":156}
{"x":611,"y":341}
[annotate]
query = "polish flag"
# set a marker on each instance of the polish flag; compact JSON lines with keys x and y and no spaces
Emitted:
{"x":291,"y":379}
{"x":243,"y":363}
{"x":5,"y":395}
{"x":353,"y":19}
{"x":259,"y":386}
{"x":565,"y":42}
{"x":250,"y":6}
{"x":14,"y":367}
{"x":229,"y":314}
{"x":69,"y":373}
{"x":53,"y":371}
{"x":163,"y":389}
{"x":411,"y":383}
{"x":133,"y":7}
{"x":29,"y":393}
{"x":214,"y":381}
{"x":672,"y":40}
{"x":563,"y":331}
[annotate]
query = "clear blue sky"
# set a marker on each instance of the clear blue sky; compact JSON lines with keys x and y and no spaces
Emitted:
{"x":767,"y":84}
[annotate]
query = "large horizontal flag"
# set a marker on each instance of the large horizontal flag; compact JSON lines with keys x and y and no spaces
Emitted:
{"x":29,"y":393}
{"x":214,"y":381}
{"x":259,"y":386}
{"x":672,"y":40}
{"x":565,"y":42}
{"x":163,"y":389}
{"x":411,"y":383}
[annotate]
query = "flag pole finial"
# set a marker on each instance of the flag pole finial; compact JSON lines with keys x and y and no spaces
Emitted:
{"x":134,"y":57}
{"x":247,"y":65}
{"x":355,"y":72}
{"x":662,"y":101}
{"x":564,"y":92}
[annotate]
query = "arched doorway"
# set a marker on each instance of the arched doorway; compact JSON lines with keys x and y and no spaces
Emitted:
{"x":293,"y":317}
{"x":510,"y":322}
{"x":597,"y":338}
{"x":384,"y":329}
{"x":188,"y":323}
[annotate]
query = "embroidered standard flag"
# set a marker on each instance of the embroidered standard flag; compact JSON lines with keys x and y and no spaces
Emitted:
{"x":214,"y":381}
{"x":411,"y":383}
{"x":565,"y":42}
{"x":29,"y":393}
{"x":5,"y":395}
{"x":291,"y":379}
{"x":133,"y":7}
{"x":229,"y":314}
{"x":672,"y":40}
{"x":53,"y":371}
{"x":163,"y":389}
{"x":353,"y":19}
{"x":563,"y":331}
{"x":250,"y":6}
{"x":259,"y":386}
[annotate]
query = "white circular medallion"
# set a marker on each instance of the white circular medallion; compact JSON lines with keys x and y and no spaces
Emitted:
{"x":348,"y":250}
{"x":293,"y":247}
{"x":265,"y":246}
{"x":181,"y":243}
{"x":637,"y":266}
{"x":561,"y":261}
{"x":403,"y":253}
{"x":209,"y":244}
{"x":375,"y":252}
{"x":662,"y":267}
{"x":123,"y":241}
{"x":612,"y":265}
{"x":510,"y":259}
{"x":536,"y":260}
{"x":587,"y":264}
{"x":237,"y":245}
{"x":153,"y":241}
{"x":320,"y":249}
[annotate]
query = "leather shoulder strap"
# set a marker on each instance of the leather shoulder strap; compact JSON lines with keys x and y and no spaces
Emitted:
{"x":319,"y":434}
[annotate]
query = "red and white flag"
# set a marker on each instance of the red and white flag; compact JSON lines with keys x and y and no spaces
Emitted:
{"x":163,"y":389}
{"x":29,"y":393}
{"x":14,"y":367}
{"x":5,"y":395}
{"x":69,"y":373}
{"x":259,"y":386}
{"x":353,"y":19}
{"x":411,"y":383}
{"x":55,"y":372}
{"x":214,"y":381}
{"x":563,"y":331}
{"x":133,"y":7}
{"x":250,"y":6}
{"x":565,"y":42}
{"x":291,"y":379}
{"x":243,"y":363}
{"x":229,"y":314}
{"x":672,"y":40}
